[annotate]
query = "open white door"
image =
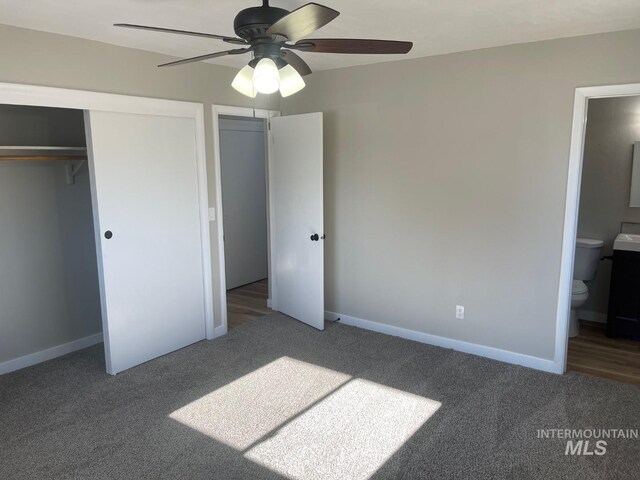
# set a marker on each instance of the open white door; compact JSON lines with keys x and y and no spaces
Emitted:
{"x":297,"y":186}
{"x":144,"y":176}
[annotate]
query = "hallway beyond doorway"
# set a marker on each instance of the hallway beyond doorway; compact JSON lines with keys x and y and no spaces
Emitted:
{"x":247,"y":303}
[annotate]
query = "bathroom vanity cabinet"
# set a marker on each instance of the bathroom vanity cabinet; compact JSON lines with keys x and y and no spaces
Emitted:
{"x":624,"y":297}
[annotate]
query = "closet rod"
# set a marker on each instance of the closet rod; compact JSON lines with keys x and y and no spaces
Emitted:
{"x":43,"y":157}
{"x":42,"y":153}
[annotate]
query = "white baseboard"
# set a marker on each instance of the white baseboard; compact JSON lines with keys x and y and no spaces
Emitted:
{"x":219,"y":331}
{"x":269,"y":303}
{"x":49,"y":353}
{"x":475,"y":349}
{"x":592,"y":316}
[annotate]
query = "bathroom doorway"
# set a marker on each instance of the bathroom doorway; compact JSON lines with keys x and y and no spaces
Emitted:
{"x":596,"y":344}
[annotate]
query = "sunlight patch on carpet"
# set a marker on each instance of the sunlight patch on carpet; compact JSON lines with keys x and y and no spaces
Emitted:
{"x":242,"y":412}
{"x":308,"y":422}
{"x":349,"y":434}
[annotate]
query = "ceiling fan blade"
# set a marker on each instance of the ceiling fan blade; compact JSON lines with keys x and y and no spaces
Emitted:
{"x":296,"y":62}
{"x":303,"y":21}
{"x":200,"y":58}
{"x":238,"y":41}
{"x":348,"y":45}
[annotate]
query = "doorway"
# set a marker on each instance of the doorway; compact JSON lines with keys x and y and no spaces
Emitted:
{"x":605,"y":128}
{"x":605,"y":211}
{"x":240,"y":302}
{"x":243,"y":168}
{"x":294,"y":214}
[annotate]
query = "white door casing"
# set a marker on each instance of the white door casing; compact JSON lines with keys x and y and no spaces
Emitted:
{"x":296,"y":174}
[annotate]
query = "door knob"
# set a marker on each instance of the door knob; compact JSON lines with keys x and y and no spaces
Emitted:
{"x":315,"y":237}
{"x":108,"y":234}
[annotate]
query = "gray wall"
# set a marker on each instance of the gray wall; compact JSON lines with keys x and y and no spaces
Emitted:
{"x":244,"y":199}
{"x":39,"y":58}
{"x":48,"y":277}
{"x":445,"y":177}
{"x":54,"y":127}
{"x":445,"y":183}
{"x":613,"y":125}
{"x":49,"y":291}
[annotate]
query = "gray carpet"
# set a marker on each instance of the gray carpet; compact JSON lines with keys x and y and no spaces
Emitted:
{"x":276,"y":399}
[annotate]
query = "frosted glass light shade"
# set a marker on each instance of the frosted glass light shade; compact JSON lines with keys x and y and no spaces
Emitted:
{"x":243,"y":82}
{"x":266,"y":78}
{"x":290,"y":81}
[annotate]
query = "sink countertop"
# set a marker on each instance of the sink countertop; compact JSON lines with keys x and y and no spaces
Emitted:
{"x":627,"y":241}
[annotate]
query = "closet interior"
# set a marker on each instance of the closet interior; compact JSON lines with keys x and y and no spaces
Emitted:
{"x":49,"y":290}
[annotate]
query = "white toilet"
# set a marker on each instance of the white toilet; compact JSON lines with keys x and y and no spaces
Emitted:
{"x":588,"y":253}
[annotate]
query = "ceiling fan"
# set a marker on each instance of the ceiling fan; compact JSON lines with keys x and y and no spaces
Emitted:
{"x":272,"y":34}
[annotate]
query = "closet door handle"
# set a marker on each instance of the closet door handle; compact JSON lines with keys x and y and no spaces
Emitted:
{"x":108,"y":234}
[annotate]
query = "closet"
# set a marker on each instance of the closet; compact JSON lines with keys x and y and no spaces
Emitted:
{"x":103,"y":226}
{"x":49,"y":289}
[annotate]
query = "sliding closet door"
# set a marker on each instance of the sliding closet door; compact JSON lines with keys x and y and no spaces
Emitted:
{"x":146,"y":203}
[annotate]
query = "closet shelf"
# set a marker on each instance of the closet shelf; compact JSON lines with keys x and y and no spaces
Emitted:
{"x":42,"y":153}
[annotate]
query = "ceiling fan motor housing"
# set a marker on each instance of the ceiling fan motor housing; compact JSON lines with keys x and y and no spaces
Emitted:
{"x":252,"y":23}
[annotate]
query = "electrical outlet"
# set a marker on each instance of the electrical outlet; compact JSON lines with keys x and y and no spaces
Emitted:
{"x":459,"y":312}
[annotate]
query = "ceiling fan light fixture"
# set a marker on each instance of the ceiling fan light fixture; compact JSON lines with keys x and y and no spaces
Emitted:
{"x":271,"y":35}
{"x":266,"y":78}
{"x":290,"y":81}
{"x":243,"y":82}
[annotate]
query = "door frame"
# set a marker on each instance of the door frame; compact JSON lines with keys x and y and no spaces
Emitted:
{"x":217,"y":217}
{"x":572,"y":205}
{"x":33,"y":95}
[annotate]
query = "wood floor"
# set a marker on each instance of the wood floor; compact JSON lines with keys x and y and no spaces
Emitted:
{"x":247,"y":303}
{"x":593,"y":353}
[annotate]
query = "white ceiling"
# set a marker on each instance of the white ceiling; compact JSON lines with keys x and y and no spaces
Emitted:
{"x":435,"y":26}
